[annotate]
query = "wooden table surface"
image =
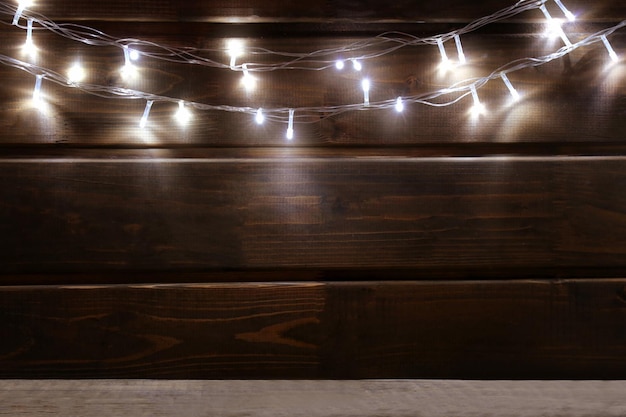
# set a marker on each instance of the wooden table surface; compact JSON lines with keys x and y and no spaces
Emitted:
{"x":377,"y":398}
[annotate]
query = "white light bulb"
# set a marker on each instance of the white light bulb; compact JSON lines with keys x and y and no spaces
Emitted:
{"x":459,"y":49}
{"x":128,"y":71}
{"x":508,"y":84}
{"x":478,"y":108}
{"x":259,"y":118}
{"x":234,"y":48}
{"x":339,"y":64}
{"x":570,"y":16}
{"x":183,"y":115}
{"x":29,"y":47}
{"x":356,"y":65}
{"x":365,"y":85}
{"x":37,"y":99}
{"x":445,"y":64}
{"x":75,"y":74}
{"x":146,"y":113}
{"x":22,"y":4}
{"x":399,"y":105}
{"x":609,"y":48}
{"x":554,"y":26}
{"x":289,"y":134}
{"x":249,"y":82}
{"x":133,"y":54}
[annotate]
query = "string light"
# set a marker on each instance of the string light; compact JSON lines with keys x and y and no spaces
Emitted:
{"x":259,"y":118}
{"x":249,"y":82}
{"x":356,"y":65}
{"x":508,"y":84}
{"x":37,"y":99}
{"x":555,"y":25}
{"x":339,"y":64}
{"x":29,"y":47}
{"x":459,"y":48}
{"x":75,"y":74}
{"x":609,"y":48}
{"x":456,"y":92}
{"x":290,"y":125}
{"x":234,"y":49}
{"x":128,"y":71}
{"x":373,"y":47}
{"x":365,"y":85}
{"x":146,"y":113}
{"x":570,"y":16}
{"x":399,"y":105}
{"x":23,"y":4}
{"x":183,"y":115}
{"x":445,"y":62}
{"x":478,"y":108}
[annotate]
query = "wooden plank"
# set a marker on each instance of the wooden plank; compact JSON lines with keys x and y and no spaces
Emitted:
{"x":432,"y":398}
{"x":423,"y":214}
{"x":478,"y":329}
{"x":282,"y":10}
{"x":582,"y":102}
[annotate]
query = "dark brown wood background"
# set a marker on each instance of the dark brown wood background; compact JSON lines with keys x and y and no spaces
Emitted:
{"x":374,"y":245}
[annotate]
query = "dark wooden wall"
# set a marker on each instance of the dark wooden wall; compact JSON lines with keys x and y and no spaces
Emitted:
{"x":374,"y":245}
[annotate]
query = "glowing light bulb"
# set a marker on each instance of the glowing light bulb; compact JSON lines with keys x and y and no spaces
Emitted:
{"x":478,"y":108}
{"x":289,"y":134}
{"x":554,"y":26}
{"x":146,"y":112}
{"x":399,"y":105}
{"x":259,"y":118}
{"x":75,"y":74}
{"x":234,"y":48}
{"x":445,"y":62}
{"x":133,"y":54}
{"x":570,"y":16}
{"x":23,"y":4}
{"x":29,"y":47}
{"x":37,"y":100}
{"x":459,"y":49}
{"x":339,"y":64}
{"x":183,"y":115}
{"x":248,"y":81}
{"x":508,"y":84}
{"x":365,"y":85}
{"x":128,"y":71}
{"x":609,"y":48}
{"x":356,"y":65}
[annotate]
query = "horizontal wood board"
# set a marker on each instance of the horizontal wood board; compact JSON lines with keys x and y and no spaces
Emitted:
{"x":362,"y":11}
{"x":441,"y":214}
{"x":473,"y":329}
{"x":393,"y":398}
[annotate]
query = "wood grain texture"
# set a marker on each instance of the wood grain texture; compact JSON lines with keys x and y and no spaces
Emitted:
{"x":396,"y":398}
{"x":288,"y":11}
{"x":477,"y":329}
{"x":429,"y":214}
